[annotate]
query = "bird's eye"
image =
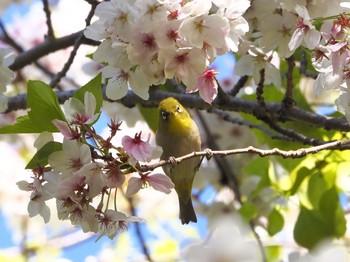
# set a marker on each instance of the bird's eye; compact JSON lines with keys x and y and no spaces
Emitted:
{"x":164,"y":115}
{"x":178,"y":109}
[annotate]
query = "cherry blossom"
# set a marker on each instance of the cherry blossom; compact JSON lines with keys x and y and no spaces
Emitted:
{"x":139,"y":149}
{"x":305,"y":31}
{"x":254,"y":61}
{"x":147,"y":42}
{"x":81,"y":113}
{"x":159,"y":182}
{"x":64,"y":128}
{"x":72,"y":158}
{"x":112,"y":222}
{"x":206,"y":85}
{"x":343,"y":104}
{"x":37,"y":205}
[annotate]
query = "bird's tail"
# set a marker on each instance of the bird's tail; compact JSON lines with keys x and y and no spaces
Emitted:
{"x":187,"y":213}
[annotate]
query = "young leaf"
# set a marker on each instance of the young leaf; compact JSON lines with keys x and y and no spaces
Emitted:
{"x":248,"y":211}
{"x":150,"y":115}
{"x":301,"y":175}
{"x":40,"y":159}
{"x":310,"y":228}
{"x":332,"y":213}
{"x":22,"y":125}
{"x":44,"y":107}
{"x":316,"y":187}
{"x":275,"y":222}
{"x":94,"y":87}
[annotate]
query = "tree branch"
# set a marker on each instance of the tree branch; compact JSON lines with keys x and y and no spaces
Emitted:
{"x":46,"y":47}
{"x":50,"y":32}
{"x":299,"y":153}
{"x":288,"y":100}
{"x":239,"y":85}
{"x":238,"y":121}
{"x":235,"y":104}
{"x":73,"y":53}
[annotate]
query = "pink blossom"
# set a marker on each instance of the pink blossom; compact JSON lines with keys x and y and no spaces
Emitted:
{"x":137,"y":148}
{"x":63,"y":127}
{"x":305,"y":31}
{"x":159,"y":182}
{"x":112,"y":222}
{"x":206,"y":85}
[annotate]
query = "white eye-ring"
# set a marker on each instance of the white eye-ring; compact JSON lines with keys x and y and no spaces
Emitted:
{"x":164,"y":115}
{"x":178,"y":109}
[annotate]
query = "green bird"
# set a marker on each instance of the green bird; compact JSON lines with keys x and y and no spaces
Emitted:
{"x":178,"y":135}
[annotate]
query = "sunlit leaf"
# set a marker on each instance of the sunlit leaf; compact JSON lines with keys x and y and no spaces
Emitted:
{"x":40,"y":159}
{"x":275,"y":222}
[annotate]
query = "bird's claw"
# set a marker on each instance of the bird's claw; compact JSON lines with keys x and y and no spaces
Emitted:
{"x":172,"y":161}
{"x":209,"y":153}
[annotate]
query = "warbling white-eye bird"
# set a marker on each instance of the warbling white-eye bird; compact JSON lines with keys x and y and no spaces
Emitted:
{"x":178,"y":135}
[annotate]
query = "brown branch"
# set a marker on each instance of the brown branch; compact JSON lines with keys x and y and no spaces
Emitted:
{"x":288,"y":100}
{"x":299,"y":153}
{"x":271,"y":119}
{"x":260,"y":93}
{"x":46,"y":47}
{"x":50,"y":32}
{"x":8,"y":39}
{"x":235,"y":104}
{"x":239,"y":85}
{"x":73,"y":53}
{"x":230,"y":177}
{"x":235,"y":120}
{"x":303,"y":67}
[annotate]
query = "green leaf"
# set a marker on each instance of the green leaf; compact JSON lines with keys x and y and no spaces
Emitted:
{"x":332,"y":213}
{"x":273,"y":253}
{"x":44,"y":107}
{"x":22,"y":125}
{"x":248,"y":211}
{"x":259,"y":167}
{"x":301,"y":175}
{"x":310,"y":228}
{"x":40,"y":159}
{"x":316,"y":187}
{"x":275,"y":222}
{"x":151,"y":116}
{"x":94,"y":87}
{"x":328,"y":221}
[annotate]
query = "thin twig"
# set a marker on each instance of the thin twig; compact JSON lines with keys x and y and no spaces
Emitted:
{"x":303,"y":67}
{"x":73,"y":53}
{"x":288,"y":100}
{"x":299,"y":153}
{"x":139,"y":233}
{"x":270,"y":119}
{"x":46,"y":47}
{"x":260,"y":90}
{"x":231,"y":178}
{"x":50,"y":32}
{"x":8,"y":39}
{"x":293,"y":135}
{"x":235,"y":120}
{"x":222,"y":164}
{"x":239,"y":85}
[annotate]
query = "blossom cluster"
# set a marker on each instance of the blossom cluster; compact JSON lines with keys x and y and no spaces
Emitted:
{"x":331,"y":52}
{"x":87,"y":169}
{"x":145,"y":43}
{"x":332,"y":60}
